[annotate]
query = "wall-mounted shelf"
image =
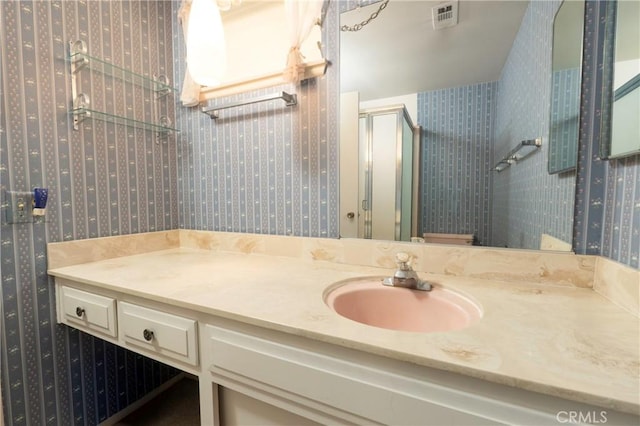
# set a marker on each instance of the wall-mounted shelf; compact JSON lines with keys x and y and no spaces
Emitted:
{"x":520,"y":152}
{"x":80,"y":114}
{"x":80,"y":59}
{"x":159,"y":84}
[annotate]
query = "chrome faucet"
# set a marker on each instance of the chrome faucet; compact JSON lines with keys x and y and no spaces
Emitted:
{"x":405,"y":276}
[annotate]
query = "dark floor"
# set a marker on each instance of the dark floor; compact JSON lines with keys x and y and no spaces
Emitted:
{"x":177,"y":406}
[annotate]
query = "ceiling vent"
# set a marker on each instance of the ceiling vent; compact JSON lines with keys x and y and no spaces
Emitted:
{"x":445,"y":15}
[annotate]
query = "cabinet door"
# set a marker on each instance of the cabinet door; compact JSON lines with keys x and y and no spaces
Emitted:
{"x":237,"y":408}
{"x":88,"y":311}
{"x":158,"y":332}
{"x":320,"y":387}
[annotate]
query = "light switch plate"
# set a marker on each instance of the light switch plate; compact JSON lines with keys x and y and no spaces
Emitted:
{"x":19,"y":206}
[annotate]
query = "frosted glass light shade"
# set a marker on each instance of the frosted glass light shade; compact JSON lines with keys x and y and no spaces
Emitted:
{"x":206,"y":51}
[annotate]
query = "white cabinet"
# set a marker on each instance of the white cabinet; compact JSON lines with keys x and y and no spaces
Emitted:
{"x":258,"y":374}
{"x":334,"y":385}
{"x":158,"y":332}
{"x":87,"y":311}
{"x":239,"y":409}
{"x":330,"y":390}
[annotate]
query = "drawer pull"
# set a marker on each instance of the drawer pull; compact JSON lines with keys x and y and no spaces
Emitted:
{"x":147,"y":334}
{"x":79,"y":312}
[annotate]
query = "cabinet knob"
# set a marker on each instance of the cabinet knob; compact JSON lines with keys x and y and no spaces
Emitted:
{"x":351,"y":215}
{"x":147,"y":334}
{"x":79,"y":312}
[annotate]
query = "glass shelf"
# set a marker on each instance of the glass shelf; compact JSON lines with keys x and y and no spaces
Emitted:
{"x":80,"y":114}
{"x":80,"y":59}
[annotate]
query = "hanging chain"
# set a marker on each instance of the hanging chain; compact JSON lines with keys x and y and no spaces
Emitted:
{"x":374,"y":15}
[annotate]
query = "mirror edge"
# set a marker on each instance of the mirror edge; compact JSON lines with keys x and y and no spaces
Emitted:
{"x":608,"y":93}
{"x":608,"y":62}
{"x":574,"y":166}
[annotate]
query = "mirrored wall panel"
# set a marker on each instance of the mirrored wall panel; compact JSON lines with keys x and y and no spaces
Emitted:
{"x":625,"y":114}
{"x":565,"y":86}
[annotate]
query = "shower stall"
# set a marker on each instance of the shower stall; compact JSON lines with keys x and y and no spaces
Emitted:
{"x":388,"y":164}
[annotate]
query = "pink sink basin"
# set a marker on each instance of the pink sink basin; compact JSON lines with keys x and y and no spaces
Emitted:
{"x":369,"y":302}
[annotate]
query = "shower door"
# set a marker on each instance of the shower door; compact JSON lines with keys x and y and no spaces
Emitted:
{"x":386,"y":173}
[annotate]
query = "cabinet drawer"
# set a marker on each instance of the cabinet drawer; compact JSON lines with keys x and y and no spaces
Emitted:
{"x":89,"y":311}
{"x":158,"y":332}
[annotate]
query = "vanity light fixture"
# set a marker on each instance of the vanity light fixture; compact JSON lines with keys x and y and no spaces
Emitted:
{"x":225,"y":5}
{"x":206,"y":49}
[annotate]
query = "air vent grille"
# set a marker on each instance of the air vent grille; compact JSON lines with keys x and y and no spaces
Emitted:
{"x":445,"y":15}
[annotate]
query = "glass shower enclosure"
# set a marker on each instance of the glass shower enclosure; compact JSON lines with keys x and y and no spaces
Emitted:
{"x":388,"y":156}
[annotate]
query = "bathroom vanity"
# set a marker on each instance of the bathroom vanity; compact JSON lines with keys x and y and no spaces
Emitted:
{"x":247,"y":315}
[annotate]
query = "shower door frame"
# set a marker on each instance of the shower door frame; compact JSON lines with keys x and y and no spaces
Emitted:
{"x":366,"y":218}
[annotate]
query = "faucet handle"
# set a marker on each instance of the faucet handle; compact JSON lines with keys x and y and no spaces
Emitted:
{"x":402,"y":259}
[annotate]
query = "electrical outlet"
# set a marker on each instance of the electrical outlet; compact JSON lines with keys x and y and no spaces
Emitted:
{"x":19,"y":206}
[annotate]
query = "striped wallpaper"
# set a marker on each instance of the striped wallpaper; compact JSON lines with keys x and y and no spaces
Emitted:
{"x":565,"y":117}
{"x":103,"y":179}
{"x":621,"y":230}
{"x":527,"y":200}
{"x":458,"y":128}
{"x":607,"y":213}
{"x":263,"y":168}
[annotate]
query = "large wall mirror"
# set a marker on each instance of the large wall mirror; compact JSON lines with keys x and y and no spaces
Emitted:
{"x":621,"y":132}
{"x":566,"y":66}
{"x":399,"y":58}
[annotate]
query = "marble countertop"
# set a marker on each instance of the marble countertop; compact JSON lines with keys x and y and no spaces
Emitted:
{"x":563,"y":341}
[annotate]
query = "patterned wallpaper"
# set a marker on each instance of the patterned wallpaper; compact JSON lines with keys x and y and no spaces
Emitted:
{"x":458,"y":128}
{"x":527,"y":201}
{"x":103,"y":180}
{"x":565,"y":120}
{"x":263,"y":168}
{"x":621,"y":230}
{"x":607,"y":213}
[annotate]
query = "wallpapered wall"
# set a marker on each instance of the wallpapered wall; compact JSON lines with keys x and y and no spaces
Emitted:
{"x":262,"y":168}
{"x":565,"y":120}
{"x":103,"y":180}
{"x":458,"y":129}
{"x":607,"y":213}
{"x":527,"y":201}
{"x":621,"y":230}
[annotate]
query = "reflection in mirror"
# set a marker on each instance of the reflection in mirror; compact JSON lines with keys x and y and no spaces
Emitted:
{"x":259,"y":58}
{"x":625,"y":126}
{"x":449,"y":81}
{"x":565,"y":88}
{"x":385,"y":177}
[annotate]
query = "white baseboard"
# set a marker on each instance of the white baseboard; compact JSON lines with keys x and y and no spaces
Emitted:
{"x":139,"y":403}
